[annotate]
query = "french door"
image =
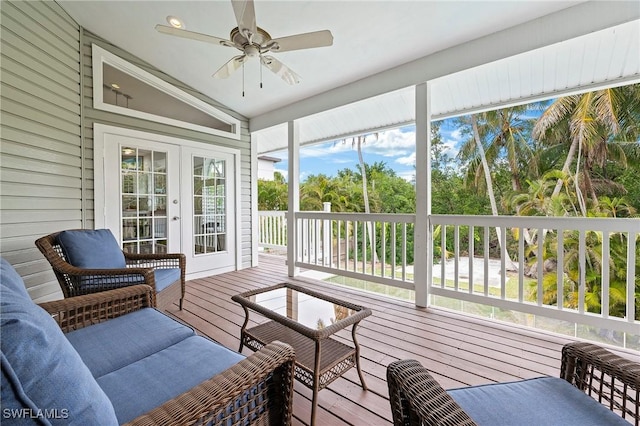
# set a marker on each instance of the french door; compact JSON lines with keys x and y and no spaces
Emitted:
{"x":208,"y":209}
{"x":159,"y":196}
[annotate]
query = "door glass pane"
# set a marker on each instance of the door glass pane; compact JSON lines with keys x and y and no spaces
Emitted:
{"x":209,"y":205}
{"x":143,"y":200}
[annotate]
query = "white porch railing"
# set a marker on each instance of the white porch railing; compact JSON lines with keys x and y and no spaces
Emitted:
{"x":583,"y":242}
{"x":272,"y":226}
{"x":342,"y":244}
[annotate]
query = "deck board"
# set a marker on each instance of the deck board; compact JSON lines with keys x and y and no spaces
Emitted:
{"x":459,"y":349}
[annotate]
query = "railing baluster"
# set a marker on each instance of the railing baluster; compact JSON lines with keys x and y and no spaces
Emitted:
{"x":443,"y":253}
{"x":604,"y":276}
{"x":404,"y":252}
{"x":540,"y":268}
{"x":560,"y":270}
{"x":503,"y":263}
{"x":355,"y":246}
{"x":521,"y":265}
{"x":486,"y":261}
{"x":374,"y":253}
{"x":631,"y":274}
{"x":394,"y":241}
{"x":471,"y":253}
{"x":346,"y":244}
{"x":456,"y":257}
{"x":384,"y":249}
{"x":365,"y":224}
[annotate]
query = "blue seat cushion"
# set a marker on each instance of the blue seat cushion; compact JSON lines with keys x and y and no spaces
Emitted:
{"x":91,"y":249}
{"x":113,"y":344}
{"x":165,"y":277}
{"x":41,"y":372}
{"x":534,"y":402}
{"x":154,"y":380}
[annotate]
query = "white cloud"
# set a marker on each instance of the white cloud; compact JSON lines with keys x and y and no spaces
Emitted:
{"x":408,"y":175}
{"x":451,"y":147}
{"x":409,"y":160}
{"x":392,"y":143}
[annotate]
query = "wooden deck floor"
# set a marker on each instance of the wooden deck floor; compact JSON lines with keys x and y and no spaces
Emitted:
{"x":460,"y":350}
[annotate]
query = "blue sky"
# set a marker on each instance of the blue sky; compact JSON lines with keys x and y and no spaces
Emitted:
{"x":394,"y":147}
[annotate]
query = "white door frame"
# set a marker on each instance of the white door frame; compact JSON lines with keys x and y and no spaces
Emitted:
{"x":99,"y":133}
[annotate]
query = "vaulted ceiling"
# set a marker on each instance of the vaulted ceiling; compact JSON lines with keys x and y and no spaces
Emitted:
{"x":382,"y":48}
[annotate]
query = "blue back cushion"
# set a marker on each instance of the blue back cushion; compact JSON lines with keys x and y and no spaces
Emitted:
{"x":41,"y":372}
{"x":92,"y":249}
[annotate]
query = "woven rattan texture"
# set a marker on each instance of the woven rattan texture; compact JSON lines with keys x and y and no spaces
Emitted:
{"x":336,"y":357}
{"x":81,"y":311}
{"x":417,"y":399}
{"x":612,"y":380}
{"x":139,"y":268}
{"x":257,"y":391}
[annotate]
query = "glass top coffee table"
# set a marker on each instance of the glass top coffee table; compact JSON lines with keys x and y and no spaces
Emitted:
{"x":305,"y":319}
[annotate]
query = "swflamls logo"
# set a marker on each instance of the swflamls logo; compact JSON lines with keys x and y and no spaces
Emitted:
{"x":28,"y":413}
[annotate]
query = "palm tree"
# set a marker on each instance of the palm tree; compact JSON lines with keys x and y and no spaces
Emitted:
{"x":358,"y":141}
{"x":595,"y":126}
{"x":467,"y":150}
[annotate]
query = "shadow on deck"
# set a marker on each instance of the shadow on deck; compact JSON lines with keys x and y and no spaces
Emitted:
{"x":459,"y":349}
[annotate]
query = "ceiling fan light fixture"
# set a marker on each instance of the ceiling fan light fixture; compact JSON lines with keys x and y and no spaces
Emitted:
{"x":175,"y":22}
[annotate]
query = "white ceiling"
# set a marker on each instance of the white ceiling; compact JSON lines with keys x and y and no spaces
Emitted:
{"x":371,"y":38}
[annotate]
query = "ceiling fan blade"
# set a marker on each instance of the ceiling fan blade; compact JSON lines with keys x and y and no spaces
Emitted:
{"x":228,"y":68}
{"x":303,"y":41}
{"x":280,"y":69}
{"x":245,"y":16}
{"x":164,"y":29}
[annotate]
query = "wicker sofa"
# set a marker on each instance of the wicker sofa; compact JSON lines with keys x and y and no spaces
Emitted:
{"x":111,"y":358}
{"x":595,"y":387}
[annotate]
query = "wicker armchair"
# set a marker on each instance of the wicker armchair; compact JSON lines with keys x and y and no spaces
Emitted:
{"x":257,"y":390}
{"x":140,"y":269}
{"x":417,"y":399}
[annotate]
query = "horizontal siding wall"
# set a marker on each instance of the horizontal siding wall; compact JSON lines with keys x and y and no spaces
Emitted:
{"x":93,"y":116}
{"x":40,"y":149}
{"x":46,"y":129}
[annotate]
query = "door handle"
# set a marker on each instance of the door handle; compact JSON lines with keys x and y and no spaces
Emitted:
{"x":176,"y":218}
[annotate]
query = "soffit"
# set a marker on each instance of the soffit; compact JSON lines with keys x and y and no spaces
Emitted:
{"x":603,"y":58}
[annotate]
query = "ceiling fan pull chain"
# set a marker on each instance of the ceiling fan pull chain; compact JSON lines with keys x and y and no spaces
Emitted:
{"x":243,"y":79}
{"x":260,"y":65}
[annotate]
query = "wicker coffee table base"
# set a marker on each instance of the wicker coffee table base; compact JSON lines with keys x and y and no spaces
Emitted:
{"x":318,"y":363}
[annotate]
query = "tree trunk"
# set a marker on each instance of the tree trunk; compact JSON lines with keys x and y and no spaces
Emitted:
{"x":492,"y":197}
{"x":365,"y":195}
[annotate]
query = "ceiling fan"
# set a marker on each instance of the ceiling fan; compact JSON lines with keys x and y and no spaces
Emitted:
{"x":253,"y":41}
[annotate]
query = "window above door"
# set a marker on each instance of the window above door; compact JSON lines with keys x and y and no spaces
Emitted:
{"x":123,"y":88}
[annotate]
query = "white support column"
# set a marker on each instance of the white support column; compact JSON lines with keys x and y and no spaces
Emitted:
{"x":255,"y":227}
{"x":422,"y":256}
{"x":294,"y":198}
